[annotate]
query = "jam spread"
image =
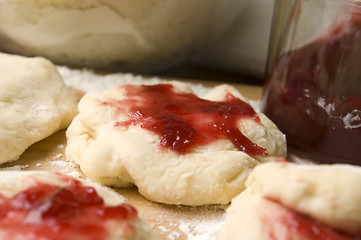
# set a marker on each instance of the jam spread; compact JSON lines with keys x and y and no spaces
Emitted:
{"x":290,"y":225}
{"x":313,"y":94}
{"x":49,"y":212}
{"x":184,"y":121}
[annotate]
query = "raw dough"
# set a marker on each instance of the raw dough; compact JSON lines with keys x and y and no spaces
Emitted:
{"x":12,"y":183}
{"x":330,"y":194}
{"x":34,"y":103}
{"x":210,"y":174}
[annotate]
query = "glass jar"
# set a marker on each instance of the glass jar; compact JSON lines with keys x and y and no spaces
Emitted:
{"x":313,"y":78}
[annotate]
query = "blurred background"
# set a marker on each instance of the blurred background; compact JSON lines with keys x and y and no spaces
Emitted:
{"x":240,"y":54}
{"x":243,"y":49}
{"x":222,"y":40}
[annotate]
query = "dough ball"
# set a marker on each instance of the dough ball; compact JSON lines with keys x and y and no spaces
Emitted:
{"x":34,"y":103}
{"x":111,"y":151}
{"x":289,"y":201}
{"x":44,"y":205}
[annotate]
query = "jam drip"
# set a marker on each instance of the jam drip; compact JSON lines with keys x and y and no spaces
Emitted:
{"x":184,"y":121}
{"x":280,"y":222}
{"x":49,"y":212}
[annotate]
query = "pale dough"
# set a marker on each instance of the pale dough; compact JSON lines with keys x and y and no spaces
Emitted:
{"x":329,"y":194}
{"x":14,"y":182}
{"x":34,"y":103}
{"x":210,"y":174}
{"x":243,"y":220}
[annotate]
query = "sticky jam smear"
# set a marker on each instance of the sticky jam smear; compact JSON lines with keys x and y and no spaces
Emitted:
{"x":74,"y":212}
{"x":281,"y":223}
{"x":184,"y":121}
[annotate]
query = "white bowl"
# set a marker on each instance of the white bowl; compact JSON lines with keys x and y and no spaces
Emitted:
{"x":130,"y":35}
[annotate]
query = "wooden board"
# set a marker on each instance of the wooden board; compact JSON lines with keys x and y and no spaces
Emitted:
{"x":169,"y":222}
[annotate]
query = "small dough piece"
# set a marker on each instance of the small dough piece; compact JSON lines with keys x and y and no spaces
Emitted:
{"x":276,"y":192}
{"x":44,"y":205}
{"x":329,"y":193}
{"x":244,"y":218}
{"x":120,"y":156}
{"x":34,"y":103}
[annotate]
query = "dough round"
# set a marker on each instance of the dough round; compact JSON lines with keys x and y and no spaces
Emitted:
{"x":329,"y":193}
{"x":276,"y":191}
{"x":209,"y":174}
{"x":34,"y":103}
{"x":243,"y":219}
{"x":27,"y":188}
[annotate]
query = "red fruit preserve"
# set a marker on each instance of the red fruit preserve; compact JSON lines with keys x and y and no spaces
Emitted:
{"x":284,"y":223}
{"x":48,"y":212}
{"x":313,"y":94}
{"x":184,"y":121}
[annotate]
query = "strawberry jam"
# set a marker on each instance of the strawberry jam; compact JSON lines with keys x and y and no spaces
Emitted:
{"x":50,"y":212}
{"x":184,"y":121}
{"x":313,"y":94}
{"x":281,"y":223}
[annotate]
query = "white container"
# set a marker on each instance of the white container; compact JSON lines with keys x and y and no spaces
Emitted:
{"x":127,"y":35}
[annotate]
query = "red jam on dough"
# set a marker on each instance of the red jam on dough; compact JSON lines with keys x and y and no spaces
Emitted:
{"x":185,"y":121}
{"x":281,"y":223}
{"x":48,"y":212}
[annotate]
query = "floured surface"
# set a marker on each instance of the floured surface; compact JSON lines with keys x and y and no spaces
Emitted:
{"x":89,"y":81}
{"x":170,"y":222}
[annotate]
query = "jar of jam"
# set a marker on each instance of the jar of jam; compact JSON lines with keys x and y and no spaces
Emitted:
{"x":313,"y":78}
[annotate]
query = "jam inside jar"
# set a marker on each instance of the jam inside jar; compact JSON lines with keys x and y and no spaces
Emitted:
{"x":313,"y":78}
